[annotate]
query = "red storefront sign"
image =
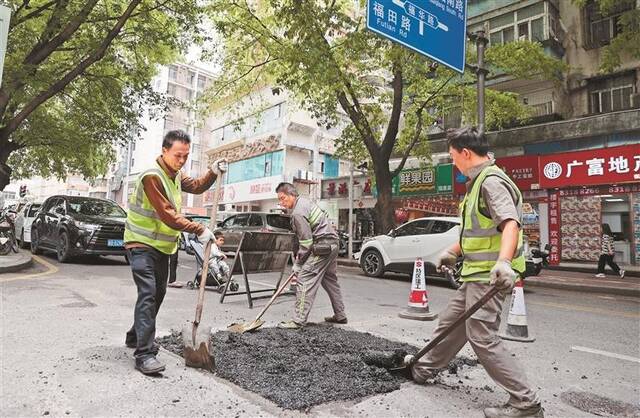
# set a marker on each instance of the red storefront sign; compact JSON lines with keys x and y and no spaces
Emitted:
{"x":602,"y":166}
{"x":522,"y":169}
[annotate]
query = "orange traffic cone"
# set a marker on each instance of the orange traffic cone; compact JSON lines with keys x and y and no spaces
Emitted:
{"x":517,"y":329}
{"x":418,"y":307}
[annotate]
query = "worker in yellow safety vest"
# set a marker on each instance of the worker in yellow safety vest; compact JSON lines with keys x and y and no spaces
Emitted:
{"x":151,"y":236}
{"x":491,"y":246}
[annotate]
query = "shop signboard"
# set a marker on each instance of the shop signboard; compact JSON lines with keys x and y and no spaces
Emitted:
{"x":522,"y":169}
{"x":247,"y":191}
{"x":424,"y":181}
{"x":554,"y":228}
{"x":338,"y":188}
{"x":599,"y":166}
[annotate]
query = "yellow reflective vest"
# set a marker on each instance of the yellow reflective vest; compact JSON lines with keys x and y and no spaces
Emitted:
{"x":480,"y":239}
{"x":143,"y":223}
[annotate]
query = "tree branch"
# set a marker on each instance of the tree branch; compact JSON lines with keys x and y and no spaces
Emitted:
{"x":418,"y":128}
{"x":37,"y":12}
{"x":58,"y":86}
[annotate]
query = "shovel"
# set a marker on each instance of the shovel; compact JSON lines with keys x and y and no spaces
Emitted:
{"x":257,"y":323}
{"x":197,"y":341}
{"x":411,"y":360}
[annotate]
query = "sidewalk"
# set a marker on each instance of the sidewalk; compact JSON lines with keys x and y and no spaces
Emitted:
{"x":15,"y":262}
{"x":576,"y":277}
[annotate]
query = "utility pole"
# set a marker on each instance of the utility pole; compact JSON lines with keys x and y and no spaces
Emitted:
{"x":481,"y":72}
{"x":350,"y":228}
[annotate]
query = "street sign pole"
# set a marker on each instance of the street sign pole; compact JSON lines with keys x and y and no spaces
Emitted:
{"x":481,"y":71}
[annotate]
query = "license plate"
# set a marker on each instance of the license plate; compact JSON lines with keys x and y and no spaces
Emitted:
{"x":115,"y":243}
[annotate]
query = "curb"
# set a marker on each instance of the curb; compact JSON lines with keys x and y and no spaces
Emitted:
{"x":24,"y":261}
{"x":589,"y":270}
{"x":620,"y":291}
{"x":532,"y":282}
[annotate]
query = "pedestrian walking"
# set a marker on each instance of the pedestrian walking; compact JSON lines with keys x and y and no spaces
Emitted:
{"x":607,"y":252}
{"x":316,"y":261}
{"x":491,"y":245}
{"x":173,"y":268}
{"x":152,"y":229}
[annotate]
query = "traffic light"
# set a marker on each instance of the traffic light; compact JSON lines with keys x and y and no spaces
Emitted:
{"x":23,"y":190}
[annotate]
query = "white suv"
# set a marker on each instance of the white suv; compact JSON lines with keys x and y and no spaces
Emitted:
{"x":398,"y":250}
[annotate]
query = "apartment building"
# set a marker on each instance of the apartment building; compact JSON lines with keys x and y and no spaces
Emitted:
{"x":267,"y":139}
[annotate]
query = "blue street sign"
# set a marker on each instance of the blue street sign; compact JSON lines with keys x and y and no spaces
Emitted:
{"x":435,"y":28}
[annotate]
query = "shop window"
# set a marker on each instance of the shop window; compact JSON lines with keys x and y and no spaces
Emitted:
{"x":202,"y":82}
{"x":600,"y":29}
{"x":331,"y":166}
{"x":611,"y":94}
{"x":173,"y":72}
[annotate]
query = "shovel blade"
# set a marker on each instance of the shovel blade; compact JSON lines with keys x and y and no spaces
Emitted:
{"x":404,"y":371}
{"x":198,"y":353}
{"x":242,"y":328}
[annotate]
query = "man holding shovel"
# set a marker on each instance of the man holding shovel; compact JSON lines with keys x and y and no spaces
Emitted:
{"x":151,"y":235}
{"x":491,"y":244}
{"x":316,"y":263}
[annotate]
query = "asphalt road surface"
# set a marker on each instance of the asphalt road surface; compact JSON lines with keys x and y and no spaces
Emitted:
{"x":63,"y":352}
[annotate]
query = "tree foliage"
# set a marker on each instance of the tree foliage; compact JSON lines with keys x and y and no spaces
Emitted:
{"x":77,"y":75}
{"x":386,"y":95}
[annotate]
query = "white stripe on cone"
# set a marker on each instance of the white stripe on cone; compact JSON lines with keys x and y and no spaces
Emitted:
{"x":517,"y":312}
{"x":418,"y":296}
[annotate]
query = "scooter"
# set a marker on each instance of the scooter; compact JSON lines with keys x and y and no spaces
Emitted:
{"x":536,"y":259}
{"x":8,"y":240}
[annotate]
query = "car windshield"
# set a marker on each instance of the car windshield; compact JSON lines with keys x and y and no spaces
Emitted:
{"x":95,"y":207}
{"x":279,"y":221}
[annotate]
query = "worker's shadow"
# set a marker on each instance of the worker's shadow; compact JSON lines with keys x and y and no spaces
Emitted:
{"x":116,"y":361}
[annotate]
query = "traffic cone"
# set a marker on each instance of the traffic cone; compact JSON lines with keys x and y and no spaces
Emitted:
{"x":517,"y":329}
{"x":418,"y":307}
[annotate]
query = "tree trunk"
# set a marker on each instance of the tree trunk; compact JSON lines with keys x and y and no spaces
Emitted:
{"x":384,"y":205}
{"x":5,"y":171}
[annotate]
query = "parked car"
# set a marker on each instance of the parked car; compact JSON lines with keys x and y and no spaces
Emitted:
{"x":184,"y":236}
{"x":74,"y":225}
{"x":23,"y":223}
{"x":397,"y":251}
{"x":235,"y":225}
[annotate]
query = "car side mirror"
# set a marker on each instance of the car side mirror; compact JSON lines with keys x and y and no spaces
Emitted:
{"x":392,"y":233}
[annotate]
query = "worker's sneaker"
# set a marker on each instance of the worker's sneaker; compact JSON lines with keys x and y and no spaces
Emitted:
{"x":600,"y":275}
{"x":508,"y":411}
{"x":333,"y":320}
{"x":149,"y":365}
{"x":289,"y":325}
{"x":622,"y":274}
{"x":133,"y":344}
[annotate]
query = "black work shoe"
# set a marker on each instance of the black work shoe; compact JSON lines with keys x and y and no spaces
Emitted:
{"x":149,"y":365}
{"x":333,"y":320}
{"x":508,"y":411}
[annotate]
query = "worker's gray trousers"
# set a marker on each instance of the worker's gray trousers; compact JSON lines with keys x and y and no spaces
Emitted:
{"x":317,"y":271}
{"x":481,"y":330}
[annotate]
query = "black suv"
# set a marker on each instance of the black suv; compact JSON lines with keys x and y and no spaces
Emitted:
{"x":74,"y":225}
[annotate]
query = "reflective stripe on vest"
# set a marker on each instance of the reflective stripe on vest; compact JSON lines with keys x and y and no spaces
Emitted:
{"x":143,"y":222}
{"x":480,"y":239}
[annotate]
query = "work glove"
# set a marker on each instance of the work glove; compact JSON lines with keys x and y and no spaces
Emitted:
{"x":296,"y":269}
{"x":219,"y":166}
{"x":206,"y":236}
{"x":503,"y":276}
{"x":446,"y":258}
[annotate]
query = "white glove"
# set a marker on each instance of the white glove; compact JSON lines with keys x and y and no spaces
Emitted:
{"x":446,"y":258}
{"x":503,"y":276}
{"x":206,"y":236}
{"x":219,"y":166}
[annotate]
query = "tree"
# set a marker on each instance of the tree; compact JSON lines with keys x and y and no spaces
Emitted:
{"x":76,"y":76}
{"x":321,"y":52}
{"x":627,"y":42}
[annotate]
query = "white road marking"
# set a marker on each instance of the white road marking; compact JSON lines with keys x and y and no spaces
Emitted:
{"x":606,"y":353}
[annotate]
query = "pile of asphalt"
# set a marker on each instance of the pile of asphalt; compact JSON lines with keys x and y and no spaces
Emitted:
{"x":297,"y":369}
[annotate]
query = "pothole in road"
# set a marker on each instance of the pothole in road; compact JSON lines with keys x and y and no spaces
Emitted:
{"x":599,"y":405}
{"x":297,"y":369}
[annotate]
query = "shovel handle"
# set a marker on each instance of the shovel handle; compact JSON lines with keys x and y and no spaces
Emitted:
{"x":466,"y":315}
{"x":207,"y":255}
{"x":275,"y":295}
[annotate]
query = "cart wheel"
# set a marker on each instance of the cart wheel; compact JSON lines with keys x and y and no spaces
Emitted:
{"x":190,"y":285}
{"x":220,"y":288}
{"x":234,"y":286}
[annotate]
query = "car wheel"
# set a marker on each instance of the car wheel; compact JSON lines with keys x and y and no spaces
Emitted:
{"x":62,"y":249}
{"x":372,"y":263}
{"x":35,"y":245}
